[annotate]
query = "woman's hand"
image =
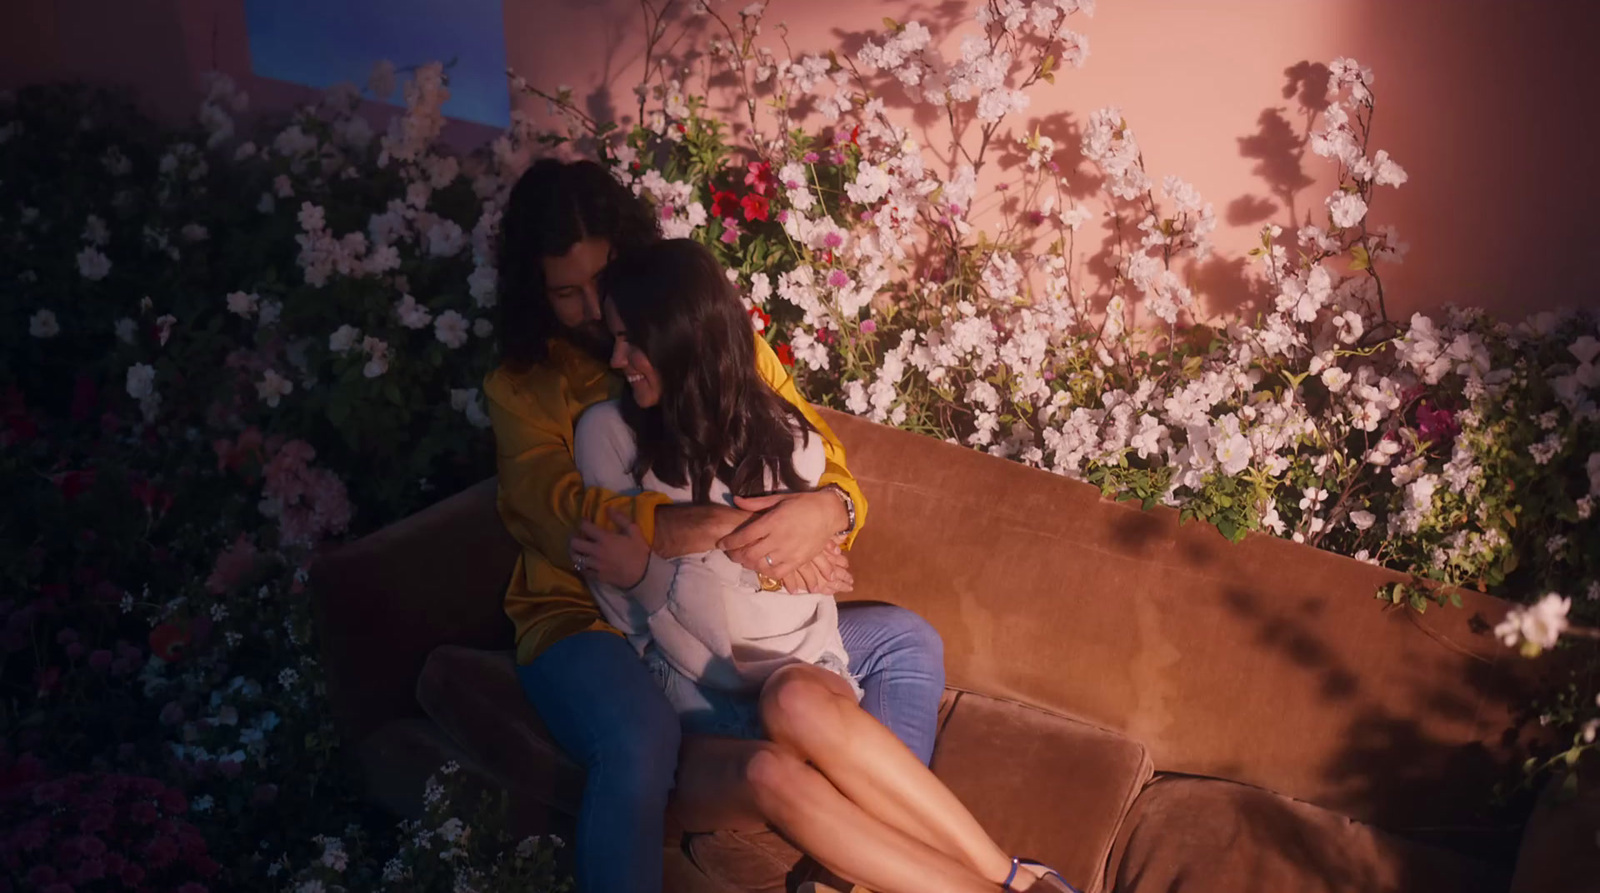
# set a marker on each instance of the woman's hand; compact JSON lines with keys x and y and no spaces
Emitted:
{"x":791,"y":529}
{"x":619,"y":559}
{"x":826,"y":574}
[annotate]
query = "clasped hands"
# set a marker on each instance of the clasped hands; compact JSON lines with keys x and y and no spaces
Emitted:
{"x":789,"y":537}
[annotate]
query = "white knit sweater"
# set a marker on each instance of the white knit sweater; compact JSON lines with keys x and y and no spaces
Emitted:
{"x":707,"y":615}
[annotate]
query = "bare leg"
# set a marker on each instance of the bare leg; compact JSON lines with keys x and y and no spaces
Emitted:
{"x":815,"y":713}
{"x":735,"y":784}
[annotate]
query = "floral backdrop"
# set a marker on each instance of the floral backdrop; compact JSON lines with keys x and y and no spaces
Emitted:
{"x":222,"y":349}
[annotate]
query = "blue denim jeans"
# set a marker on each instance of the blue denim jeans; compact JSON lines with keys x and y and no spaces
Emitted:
{"x":606,"y":709}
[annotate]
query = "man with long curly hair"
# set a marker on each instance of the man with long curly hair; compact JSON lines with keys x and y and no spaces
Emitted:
{"x":563,"y":223}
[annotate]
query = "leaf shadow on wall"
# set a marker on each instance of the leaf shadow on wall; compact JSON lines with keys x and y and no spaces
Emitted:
{"x":1228,"y":284}
{"x":1389,"y":760}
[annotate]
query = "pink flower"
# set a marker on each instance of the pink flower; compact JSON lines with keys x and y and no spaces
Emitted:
{"x":868,"y":327}
{"x":308,"y":503}
{"x":832,"y":240}
{"x":759,"y":177}
{"x":838,"y":279}
{"x":233,"y":565}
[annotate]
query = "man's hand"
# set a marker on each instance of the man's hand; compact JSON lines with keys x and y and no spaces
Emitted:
{"x":790,"y":530}
{"x":826,"y":574}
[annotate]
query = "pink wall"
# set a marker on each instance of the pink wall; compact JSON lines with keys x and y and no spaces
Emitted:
{"x":1488,"y":105}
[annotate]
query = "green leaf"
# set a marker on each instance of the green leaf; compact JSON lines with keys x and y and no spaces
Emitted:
{"x":1359,"y":258}
{"x":1229,"y":529}
{"x":1455,"y":599}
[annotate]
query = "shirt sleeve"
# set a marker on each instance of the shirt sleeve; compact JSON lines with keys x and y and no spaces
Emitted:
{"x":542,"y":496}
{"x":834,"y":470}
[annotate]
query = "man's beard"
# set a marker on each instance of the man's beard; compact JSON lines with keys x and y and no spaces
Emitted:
{"x":592,"y":338}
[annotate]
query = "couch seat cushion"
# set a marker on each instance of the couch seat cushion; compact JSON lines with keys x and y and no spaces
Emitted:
{"x":1200,"y":835}
{"x":475,"y":697}
{"x":1043,"y":785}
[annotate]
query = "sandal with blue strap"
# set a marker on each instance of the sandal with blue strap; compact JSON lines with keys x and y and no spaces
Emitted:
{"x":1049,"y":882}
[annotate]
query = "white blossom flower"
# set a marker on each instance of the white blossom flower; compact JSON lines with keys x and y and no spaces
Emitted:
{"x":377,"y":352}
{"x":141,"y":381}
{"x":95,"y":231}
{"x":466,"y":400}
{"x":273,"y":387}
{"x":268,"y":313}
{"x":343,"y":338}
{"x":1362,"y":519}
{"x":1346,"y":209}
{"x":482,"y":284}
{"x":451,"y":328}
{"x":243,"y":303}
{"x":125,"y":330}
{"x":411,"y":314}
{"x":1537,"y":626}
{"x":92,"y":265}
{"x":43,"y":324}
{"x":164,"y":324}
{"x":482,"y":327}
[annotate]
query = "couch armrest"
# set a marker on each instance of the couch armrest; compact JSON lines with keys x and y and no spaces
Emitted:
{"x":1561,"y":847}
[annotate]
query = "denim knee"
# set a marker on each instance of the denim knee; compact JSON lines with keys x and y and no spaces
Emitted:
{"x":915,"y":644}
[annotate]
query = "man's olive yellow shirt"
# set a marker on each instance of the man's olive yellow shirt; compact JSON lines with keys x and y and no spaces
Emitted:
{"x":542,"y":497}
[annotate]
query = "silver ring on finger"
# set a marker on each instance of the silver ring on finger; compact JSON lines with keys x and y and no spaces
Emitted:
{"x":769,"y":560}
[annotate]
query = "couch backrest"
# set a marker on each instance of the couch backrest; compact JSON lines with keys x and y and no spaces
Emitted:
{"x":1265,"y":661}
{"x":385,"y":601}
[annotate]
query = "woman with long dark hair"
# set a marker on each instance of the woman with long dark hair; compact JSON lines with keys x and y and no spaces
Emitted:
{"x":698,"y":424}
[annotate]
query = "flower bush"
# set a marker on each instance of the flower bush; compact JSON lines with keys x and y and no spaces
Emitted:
{"x":220,"y":352}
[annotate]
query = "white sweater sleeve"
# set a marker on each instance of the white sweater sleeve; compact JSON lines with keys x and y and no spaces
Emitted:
{"x":604,"y":450}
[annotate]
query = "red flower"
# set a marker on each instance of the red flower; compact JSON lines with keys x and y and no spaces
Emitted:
{"x":73,"y":484}
{"x":785,"y":355}
{"x":681,"y":129}
{"x":723,"y":204}
{"x":755,"y":207}
{"x":1436,"y":424}
{"x":173,"y":801}
{"x":18,"y":426}
{"x":168,"y":640}
{"x":152,"y":497}
{"x":760,"y":320}
{"x":855,"y":133}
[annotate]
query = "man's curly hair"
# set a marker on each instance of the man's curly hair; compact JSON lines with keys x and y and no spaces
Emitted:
{"x":555,"y":205}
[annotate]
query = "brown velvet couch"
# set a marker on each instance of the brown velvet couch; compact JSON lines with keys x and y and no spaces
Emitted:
{"x":1144,"y":705}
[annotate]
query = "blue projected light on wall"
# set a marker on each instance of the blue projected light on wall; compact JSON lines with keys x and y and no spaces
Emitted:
{"x":320,"y":43}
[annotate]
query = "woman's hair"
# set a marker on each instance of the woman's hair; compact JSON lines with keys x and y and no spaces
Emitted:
{"x":554,"y":206}
{"x":716,"y":418}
